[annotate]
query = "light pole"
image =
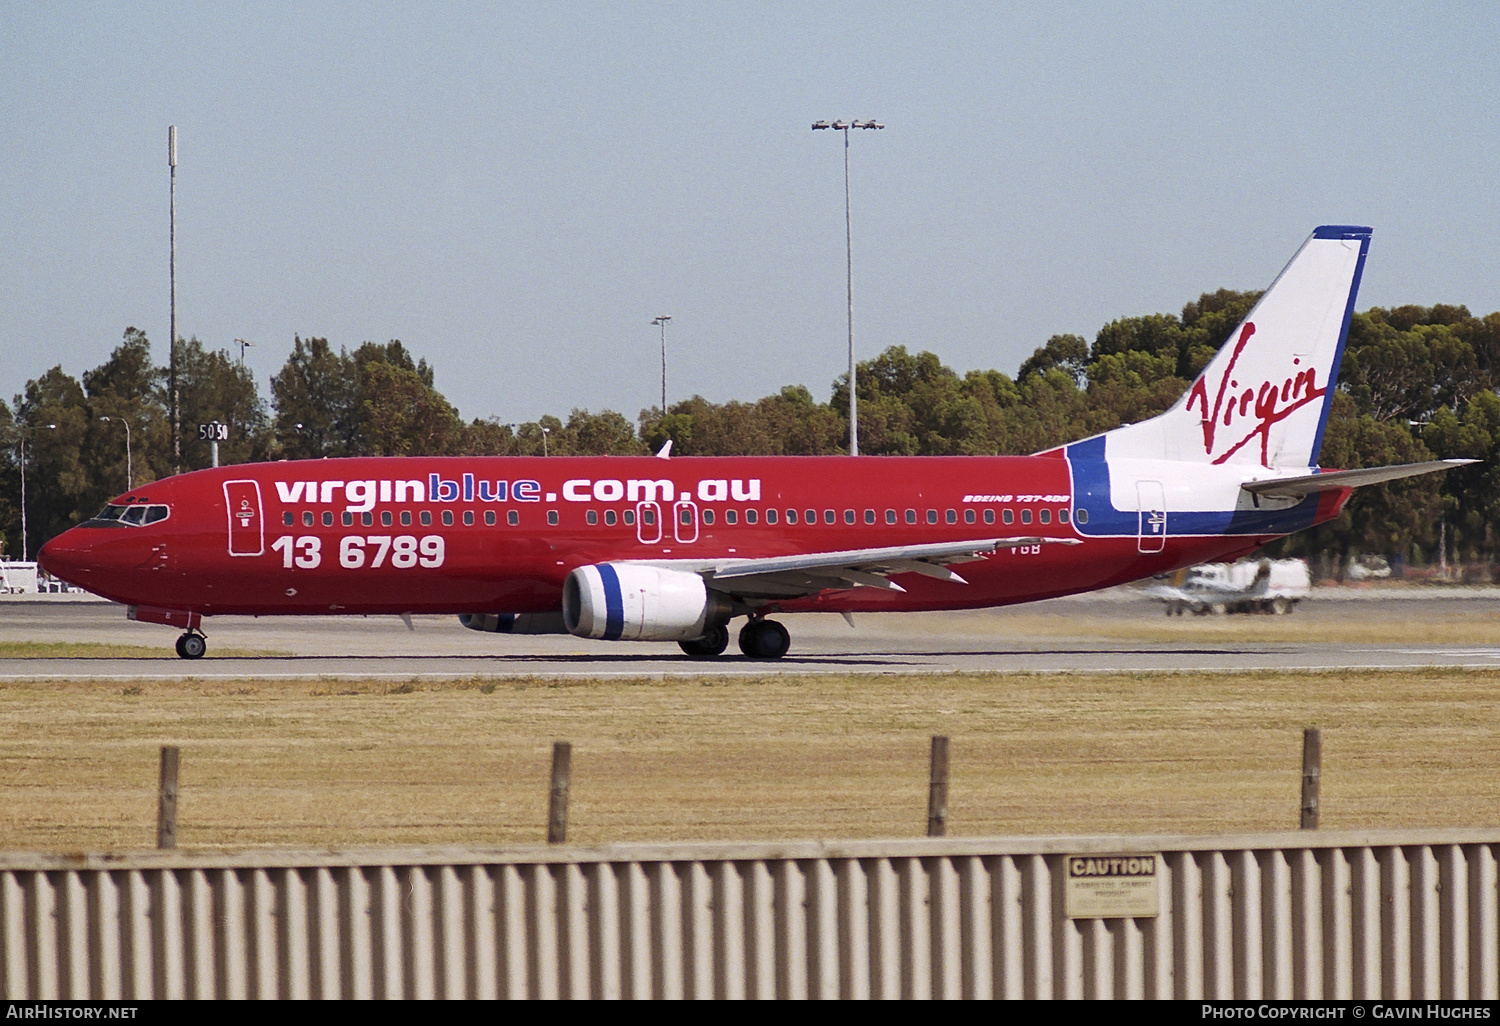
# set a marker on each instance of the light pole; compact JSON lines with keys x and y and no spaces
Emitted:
{"x":663,"y":321}
{"x":243,"y":346}
{"x":25,"y":542}
{"x":172,"y":342}
{"x":844,"y":126}
{"x":545,"y":432}
{"x":129,"y":464}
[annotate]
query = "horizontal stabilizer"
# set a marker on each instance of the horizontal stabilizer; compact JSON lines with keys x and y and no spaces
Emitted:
{"x":1307,"y":484}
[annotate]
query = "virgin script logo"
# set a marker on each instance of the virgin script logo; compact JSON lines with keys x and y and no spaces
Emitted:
{"x":1259,"y":407}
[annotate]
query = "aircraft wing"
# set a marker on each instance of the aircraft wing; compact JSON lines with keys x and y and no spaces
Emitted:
{"x":805,"y":574}
{"x":1307,"y":484}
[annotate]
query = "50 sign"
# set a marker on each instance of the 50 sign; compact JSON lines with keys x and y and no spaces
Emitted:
{"x":401,"y":551}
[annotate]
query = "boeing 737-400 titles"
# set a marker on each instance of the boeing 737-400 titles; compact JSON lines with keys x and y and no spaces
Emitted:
{"x":673,"y":549}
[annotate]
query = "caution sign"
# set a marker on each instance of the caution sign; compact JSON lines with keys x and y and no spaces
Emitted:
{"x":1113,"y":886}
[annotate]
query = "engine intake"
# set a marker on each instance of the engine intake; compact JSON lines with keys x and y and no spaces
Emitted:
{"x":627,"y":602}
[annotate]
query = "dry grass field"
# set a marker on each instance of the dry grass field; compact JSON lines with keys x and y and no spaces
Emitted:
{"x":311,"y":764}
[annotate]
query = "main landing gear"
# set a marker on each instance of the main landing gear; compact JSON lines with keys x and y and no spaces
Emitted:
{"x":759,"y":639}
{"x":764,"y":639}
{"x":192,"y":645}
{"x":711,"y":644}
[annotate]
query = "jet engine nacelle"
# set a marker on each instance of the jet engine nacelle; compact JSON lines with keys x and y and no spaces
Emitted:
{"x":627,"y":602}
{"x":514,"y":623}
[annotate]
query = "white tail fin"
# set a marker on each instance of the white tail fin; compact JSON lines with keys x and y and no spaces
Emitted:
{"x":1264,"y":398}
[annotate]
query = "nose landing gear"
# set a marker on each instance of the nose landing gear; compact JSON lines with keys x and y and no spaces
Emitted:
{"x":192,"y":645}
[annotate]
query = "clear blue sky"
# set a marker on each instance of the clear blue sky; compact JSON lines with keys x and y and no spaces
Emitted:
{"x":515,"y":190}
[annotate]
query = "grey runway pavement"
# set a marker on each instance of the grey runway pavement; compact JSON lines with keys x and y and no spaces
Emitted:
{"x":1025,"y":638}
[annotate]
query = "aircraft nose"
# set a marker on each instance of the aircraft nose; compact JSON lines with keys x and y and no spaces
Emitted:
{"x":60,"y":557}
{"x":75,"y":556}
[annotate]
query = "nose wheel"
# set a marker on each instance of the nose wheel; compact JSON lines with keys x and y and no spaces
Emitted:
{"x":192,"y":646}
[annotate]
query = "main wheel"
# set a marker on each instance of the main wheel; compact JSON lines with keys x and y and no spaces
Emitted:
{"x":764,"y":639}
{"x":192,"y":646}
{"x":711,"y":644}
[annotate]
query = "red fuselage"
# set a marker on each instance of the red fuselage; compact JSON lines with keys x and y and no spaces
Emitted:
{"x":500,"y":534}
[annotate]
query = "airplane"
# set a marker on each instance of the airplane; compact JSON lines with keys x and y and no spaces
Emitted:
{"x":672,"y":549}
{"x":1264,"y":586}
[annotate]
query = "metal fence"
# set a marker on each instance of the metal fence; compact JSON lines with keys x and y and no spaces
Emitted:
{"x":1294,"y":915}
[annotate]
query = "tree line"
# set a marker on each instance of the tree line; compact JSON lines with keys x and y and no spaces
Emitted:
{"x":1417,"y":383}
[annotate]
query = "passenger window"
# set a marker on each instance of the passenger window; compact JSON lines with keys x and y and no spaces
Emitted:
{"x":551,"y":517}
{"x":812,"y":517}
{"x":791,"y":516}
{"x":468,"y":518}
{"x":648,"y":517}
{"x":368,"y":519}
{"x":592,"y":518}
{"x":307,"y":518}
{"x":512,"y":518}
{"x":890,"y":516}
{"x":405,"y":518}
{"x":348,"y":519}
{"x":610,"y":517}
{"x":427,"y":518}
{"x":989,"y":516}
{"x":1025,"y":516}
{"x":1082,"y":516}
{"x":288,"y":519}
{"x":447,"y":518}
{"x":911,"y":516}
{"x":770,"y":516}
{"x":684,"y":516}
{"x":1046,"y":516}
{"x":489,"y":518}
{"x":968,"y":516}
{"x":708,"y":517}
{"x":328,"y":519}
{"x":869,"y":516}
{"x":829,"y":517}
{"x":1009,"y":516}
{"x":751,"y":516}
{"x":731,"y":517}
{"x":385,"y":518}
{"x":848,"y":516}
{"x":629,"y":517}
{"x":932,"y":516}
{"x":951,"y":516}
{"x":1062,"y":516}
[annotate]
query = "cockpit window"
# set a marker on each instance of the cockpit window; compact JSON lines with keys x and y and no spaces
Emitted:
{"x":133,"y":515}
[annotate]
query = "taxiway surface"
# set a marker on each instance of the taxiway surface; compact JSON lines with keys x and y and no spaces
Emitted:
{"x":1065,"y":635}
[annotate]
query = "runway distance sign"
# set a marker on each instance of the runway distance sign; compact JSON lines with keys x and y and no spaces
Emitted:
{"x":213,"y":431}
{"x":1113,"y":886}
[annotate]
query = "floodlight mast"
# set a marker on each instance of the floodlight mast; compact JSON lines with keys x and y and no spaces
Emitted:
{"x":844,"y":126}
{"x":663,"y":321}
{"x":172,"y":342}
